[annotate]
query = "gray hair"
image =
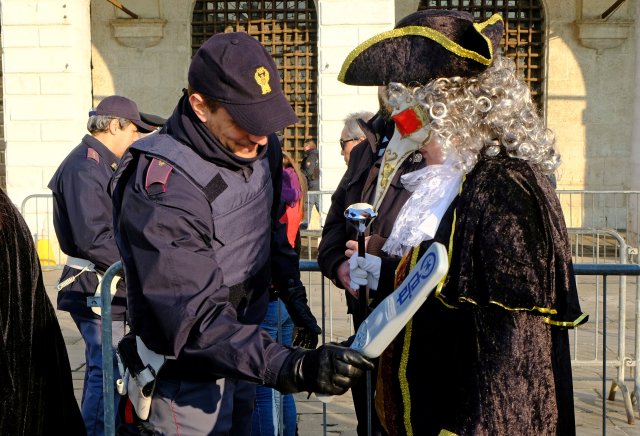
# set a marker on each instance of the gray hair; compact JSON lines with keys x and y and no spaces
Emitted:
{"x":351,"y":123}
{"x":100,"y":123}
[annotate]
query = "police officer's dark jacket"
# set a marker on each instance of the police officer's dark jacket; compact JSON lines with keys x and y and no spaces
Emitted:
{"x":198,"y":237}
{"x":83,"y":221}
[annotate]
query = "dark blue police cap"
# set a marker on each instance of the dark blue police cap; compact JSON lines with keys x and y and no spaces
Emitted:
{"x":153,"y":120}
{"x":121,"y":107}
{"x":237,"y":71}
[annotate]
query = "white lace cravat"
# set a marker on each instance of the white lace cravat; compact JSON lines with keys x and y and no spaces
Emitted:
{"x":434,"y":188}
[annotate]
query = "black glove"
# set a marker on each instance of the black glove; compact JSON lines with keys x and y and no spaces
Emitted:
{"x":304,"y":338}
{"x":330,"y":369}
{"x":295,"y":298}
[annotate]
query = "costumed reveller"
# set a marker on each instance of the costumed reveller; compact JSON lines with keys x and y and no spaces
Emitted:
{"x":36,"y":389}
{"x":373,"y":176}
{"x":488,"y":352}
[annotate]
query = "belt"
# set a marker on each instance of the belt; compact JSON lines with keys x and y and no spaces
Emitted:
{"x":85,"y":265}
{"x":76,"y":263}
{"x":177,"y":370}
{"x":81,"y":264}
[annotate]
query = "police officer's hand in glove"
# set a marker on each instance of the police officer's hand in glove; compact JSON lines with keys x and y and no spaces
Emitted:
{"x":330,"y":369}
{"x":365,"y":271}
{"x":305,"y":338}
{"x":295,"y":298}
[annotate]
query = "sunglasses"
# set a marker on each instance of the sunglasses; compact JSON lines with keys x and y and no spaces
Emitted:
{"x":343,"y":142}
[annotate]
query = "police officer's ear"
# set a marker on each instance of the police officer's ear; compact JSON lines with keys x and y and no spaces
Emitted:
{"x":199,"y":106}
{"x":114,"y":126}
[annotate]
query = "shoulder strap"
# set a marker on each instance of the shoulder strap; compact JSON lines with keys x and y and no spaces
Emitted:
{"x":157,"y":175}
{"x":274,"y":154}
{"x":195,"y":169}
{"x":93,"y":155}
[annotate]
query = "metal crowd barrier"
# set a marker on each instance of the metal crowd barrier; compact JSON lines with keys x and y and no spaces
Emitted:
{"x":622,"y":360}
{"x":107,"y":351}
{"x":37,"y":211}
{"x":611,"y":254}
{"x":618,"y":210}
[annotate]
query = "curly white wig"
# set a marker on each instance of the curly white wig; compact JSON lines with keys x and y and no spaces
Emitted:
{"x":483,"y":113}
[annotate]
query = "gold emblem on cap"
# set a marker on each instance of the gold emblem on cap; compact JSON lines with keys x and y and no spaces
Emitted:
{"x":262,"y":79}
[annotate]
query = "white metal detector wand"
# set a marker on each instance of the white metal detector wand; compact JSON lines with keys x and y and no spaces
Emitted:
{"x":391,"y":315}
{"x":360,"y":216}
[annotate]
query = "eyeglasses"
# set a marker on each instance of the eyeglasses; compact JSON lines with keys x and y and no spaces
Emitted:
{"x":343,"y":142}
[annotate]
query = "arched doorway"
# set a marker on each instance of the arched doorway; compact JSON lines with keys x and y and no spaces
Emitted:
{"x":288,"y":29}
{"x":524,"y":39}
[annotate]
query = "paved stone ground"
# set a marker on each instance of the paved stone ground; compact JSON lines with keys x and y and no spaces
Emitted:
{"x":340,"y":418}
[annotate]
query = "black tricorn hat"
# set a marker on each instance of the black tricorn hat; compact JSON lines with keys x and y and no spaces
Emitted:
{"x":423,"y":46}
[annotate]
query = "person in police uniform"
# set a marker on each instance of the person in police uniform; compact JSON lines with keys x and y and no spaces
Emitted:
{"x":83,"y":221}
{"x":196,"y":221}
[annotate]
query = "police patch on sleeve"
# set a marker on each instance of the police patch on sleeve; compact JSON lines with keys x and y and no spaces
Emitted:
{"x":157,"y":175}
{"x":93,"y":155}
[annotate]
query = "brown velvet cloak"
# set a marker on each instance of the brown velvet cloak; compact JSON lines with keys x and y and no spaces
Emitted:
{"x":36,"y":390}
{"x":488,"y":353}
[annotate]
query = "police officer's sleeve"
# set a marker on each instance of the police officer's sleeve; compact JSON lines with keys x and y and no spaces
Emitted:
{"x":89,"y":212}
{"x":172,"y":267}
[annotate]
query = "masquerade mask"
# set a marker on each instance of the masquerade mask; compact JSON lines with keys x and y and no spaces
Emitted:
{"x":411,"y":120}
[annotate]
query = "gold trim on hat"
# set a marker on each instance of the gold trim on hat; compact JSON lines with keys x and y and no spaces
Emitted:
{"x":429,"y":33}
{"x":489,"y":22}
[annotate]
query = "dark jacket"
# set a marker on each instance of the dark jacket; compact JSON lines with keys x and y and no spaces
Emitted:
{"x":510,"y":294}
{"x":310,"y":167}
{"x":358,"y":185}
{"x":83,"y":221}
{"x":175,"y":260}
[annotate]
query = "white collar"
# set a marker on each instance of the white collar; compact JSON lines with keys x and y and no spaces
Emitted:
{"x":433,"y":189}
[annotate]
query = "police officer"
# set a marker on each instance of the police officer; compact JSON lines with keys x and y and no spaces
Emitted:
{"x":200,"y":241}
{"x":83,"y":221}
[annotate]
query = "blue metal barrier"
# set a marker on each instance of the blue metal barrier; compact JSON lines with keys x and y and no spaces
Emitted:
{"x":605,"y":270}
{"x":107,"y":350}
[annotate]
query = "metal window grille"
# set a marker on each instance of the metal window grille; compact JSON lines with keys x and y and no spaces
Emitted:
{"x":288,"y":29}
{"x":524,"y":39}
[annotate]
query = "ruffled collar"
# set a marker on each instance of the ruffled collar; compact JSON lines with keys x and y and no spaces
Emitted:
{"x":433,"y":189}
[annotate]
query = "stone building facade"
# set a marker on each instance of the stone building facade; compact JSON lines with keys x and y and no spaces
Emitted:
{"x":60,"y":58}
